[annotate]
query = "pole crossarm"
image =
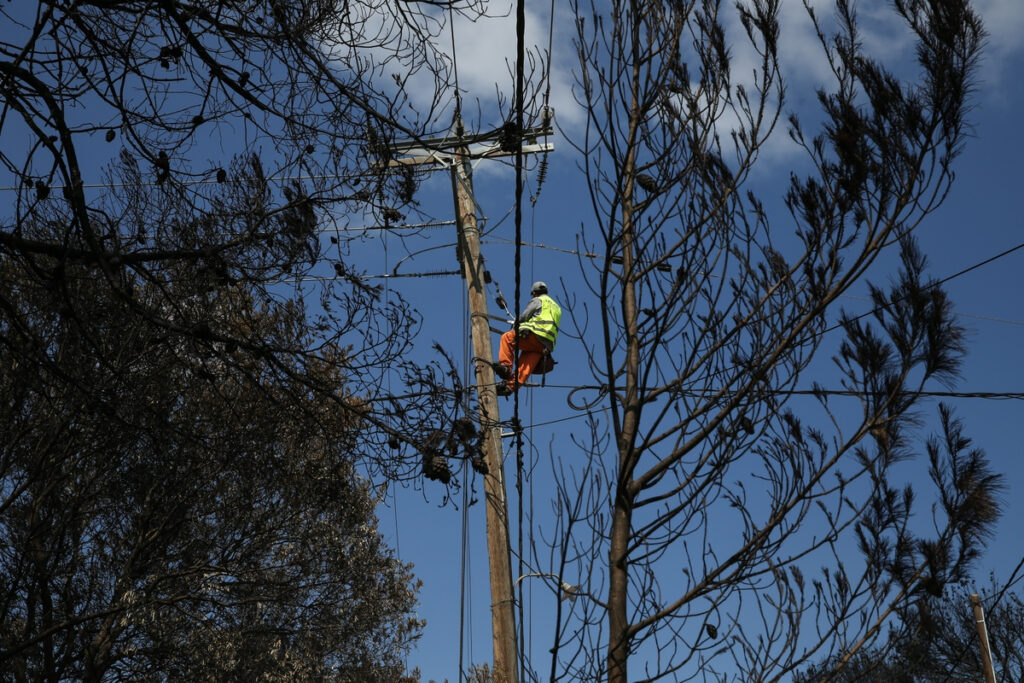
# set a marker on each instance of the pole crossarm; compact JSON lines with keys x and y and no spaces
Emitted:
{"x":442,"y":151}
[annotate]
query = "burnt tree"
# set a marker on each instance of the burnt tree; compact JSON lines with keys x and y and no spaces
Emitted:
{"x":742,"y":512}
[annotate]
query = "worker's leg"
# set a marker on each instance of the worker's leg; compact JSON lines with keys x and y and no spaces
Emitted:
{"x":506,"y":350}
{"x":531,"y":350}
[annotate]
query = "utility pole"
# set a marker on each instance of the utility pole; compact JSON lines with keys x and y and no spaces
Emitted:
{"x":499,"y":552}
{"x":986,"y":652}
{"x":498,"y":548}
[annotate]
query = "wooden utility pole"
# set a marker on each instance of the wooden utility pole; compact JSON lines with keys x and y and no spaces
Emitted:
{"x":499,"y":551}
{"x":986,"y":651}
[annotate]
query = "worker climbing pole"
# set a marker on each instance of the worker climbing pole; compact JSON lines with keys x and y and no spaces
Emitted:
{"x":533,"y":336}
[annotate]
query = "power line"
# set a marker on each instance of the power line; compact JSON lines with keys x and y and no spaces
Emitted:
{"x":987,"y":318}
{"x":385,"y":228}
{"x":519,"y":78}
{"x":850,"y":393}
{"x":932,"y":285}
{"x":692,"y":393}
{"x":382,"y":276}
{"x":982,"y":395}
{"x":197,"y":181}
{"x":458,"y":117}
{"x":1007,"y":252}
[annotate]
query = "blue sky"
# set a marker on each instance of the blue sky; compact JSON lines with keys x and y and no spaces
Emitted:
{"x":980,"y":219}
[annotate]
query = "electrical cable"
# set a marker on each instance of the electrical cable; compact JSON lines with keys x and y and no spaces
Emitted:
{"x":463,"y":567}
{"x":551,"y":44}
{"x":381,"y":276}
{"x":1007,"y":252}
{"x":534,"y":457}
{"x":204,"y":181}
{"x":388,"y":420}
{"x":388,"y":228}
{"x":931,"y":285}
{"x":520,"y":58}
{"x":694,"y":393}
{"x":464,"y":559}
{"x":981,"y":395}
{"x":458,"y":95}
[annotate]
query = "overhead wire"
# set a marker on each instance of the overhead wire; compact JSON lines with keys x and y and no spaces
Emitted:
{"x":534,"y":456}
{"x":388,"y":422}
{"x":380,"y":276}
{"x":519,"y":188}
{"x":465,"y":566}
{"x":465,"y":595}
{"x":847,"y":393}
{"x":695,"y":393}
{"x":520,"y":58}
{"x":930,"y":285}
{"x":593,"y":255}
{"x":455,"y":72}
{"x":196,"y":181}
{"x":387,"y":228}
{"x":589,"y":409}
{"x":525,"y":628}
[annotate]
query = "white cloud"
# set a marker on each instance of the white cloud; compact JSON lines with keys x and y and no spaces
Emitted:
{"x":486,"y":53}
{"x":485,"y":50}
{"x":1004,"y":23}
{"x":483,"y":56}
{"x":884,"y":37}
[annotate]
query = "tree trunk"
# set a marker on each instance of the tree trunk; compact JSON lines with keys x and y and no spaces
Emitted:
{"x":618,"y":618}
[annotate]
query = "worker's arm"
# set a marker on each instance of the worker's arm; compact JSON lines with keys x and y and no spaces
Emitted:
{"x":531,"y":310}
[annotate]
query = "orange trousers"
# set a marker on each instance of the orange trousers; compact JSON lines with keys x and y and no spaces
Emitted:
{"x":531,"y":350}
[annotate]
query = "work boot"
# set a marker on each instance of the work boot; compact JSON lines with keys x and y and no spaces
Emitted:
{"x":504,"y":390}
{"x":503,"y":371}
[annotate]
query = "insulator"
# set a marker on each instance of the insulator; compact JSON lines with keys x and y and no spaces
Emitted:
{"x":542,"y":174}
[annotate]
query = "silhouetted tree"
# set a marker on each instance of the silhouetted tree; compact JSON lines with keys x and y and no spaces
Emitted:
{"x":174,"y":509}
{"x":936,"y":640}
{"x":138,"y":137}
{"x":719,"y":535}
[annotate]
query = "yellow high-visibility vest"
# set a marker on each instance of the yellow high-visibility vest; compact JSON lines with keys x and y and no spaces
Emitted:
{"x":545,"y":324}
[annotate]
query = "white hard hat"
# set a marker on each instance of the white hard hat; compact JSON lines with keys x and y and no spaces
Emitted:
{"x":539,"y":288}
